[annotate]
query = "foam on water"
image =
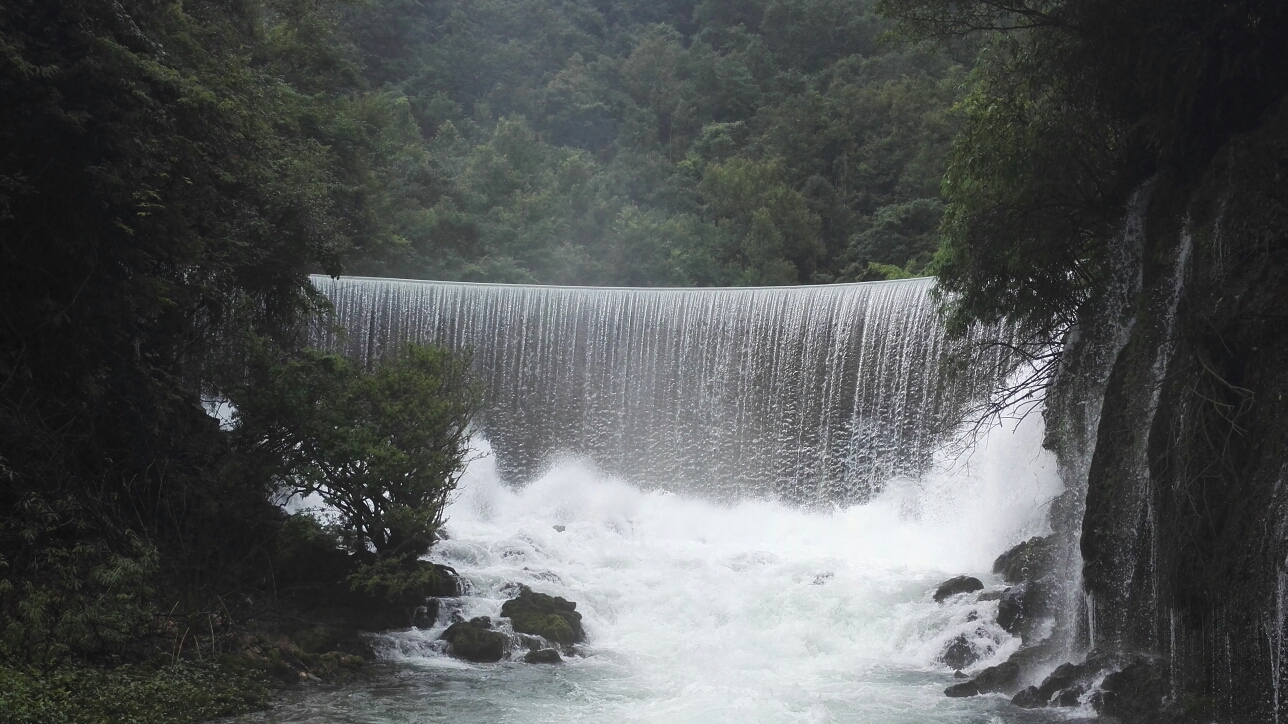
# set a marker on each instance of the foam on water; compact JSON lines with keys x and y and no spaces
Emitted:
{"x":755,"y":612}
{"x":755,"y":525}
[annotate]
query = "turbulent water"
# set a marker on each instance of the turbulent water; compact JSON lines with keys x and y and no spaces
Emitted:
{"x":739,"y":606}
{"x":705,"y":612}
{"x":813,"y":395}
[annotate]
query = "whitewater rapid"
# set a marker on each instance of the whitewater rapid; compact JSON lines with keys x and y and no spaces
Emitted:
{"x":704,"y":612}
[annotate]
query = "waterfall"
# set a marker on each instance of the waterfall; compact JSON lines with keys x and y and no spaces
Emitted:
{"x":813,"y":395}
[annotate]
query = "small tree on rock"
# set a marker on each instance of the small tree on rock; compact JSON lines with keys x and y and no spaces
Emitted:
{"x":383,"y":449}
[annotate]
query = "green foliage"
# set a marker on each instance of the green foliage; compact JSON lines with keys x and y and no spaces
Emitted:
{"x":81,"y":600}
{"x":587,"y":143}
{"x":172,"y":173}
{"x":539,"y":614}
{"x":400,"y":579}
{"x":171,"y":694}
{"x":776,"y":230}
{"x":1073,"y":106}
{"x":900,"y":231}
{"x":383,"y":449}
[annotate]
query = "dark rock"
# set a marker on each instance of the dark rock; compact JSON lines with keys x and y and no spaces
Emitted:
{"x":560,"y":528}
{"x":543,"y":656}
{"x":316,"y":640}
{"x":1070,"y":697}
{"x":426,"y":616}
{"x":1022,"y":607}
{"x":1028,"y":561}
{"x":1133,"y":693}
{"x":1063,"y":687}
{"x":376,"y":611}
{"x":1010,"y":611}
{"x":954,"y":586}
{"x":959,"y":653}
{"x":991,"y":596}
{"x":1002,"y":679}
{"x":1028,"y":699}
{"x":481,"y":622}
{"x":550,"y":617}
{"x":449,"y":582}
{"x":1064,"y":676}
{"x":474,"y":642}
{"x":959,"y":675}
{"x":1034,"y":657}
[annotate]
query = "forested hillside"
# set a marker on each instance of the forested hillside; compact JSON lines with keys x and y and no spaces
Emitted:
{"x":657,"y":143}
{"x":171,"y":172}
{"x":643,"y":143}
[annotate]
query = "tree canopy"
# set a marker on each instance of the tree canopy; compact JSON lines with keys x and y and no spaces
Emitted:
{"x":605,"y":143}
{"x":1074,"y":104}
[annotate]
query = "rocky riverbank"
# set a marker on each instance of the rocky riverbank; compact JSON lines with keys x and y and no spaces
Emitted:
{"x":1165,"y":578}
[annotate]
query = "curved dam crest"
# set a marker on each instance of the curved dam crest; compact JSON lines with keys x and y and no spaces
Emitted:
{"x":814,"y":395}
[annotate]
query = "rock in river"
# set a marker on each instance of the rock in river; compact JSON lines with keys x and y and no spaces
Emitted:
{"x":550,"y":617}
{"x":954,"y":586}
{"x":474,"y":640}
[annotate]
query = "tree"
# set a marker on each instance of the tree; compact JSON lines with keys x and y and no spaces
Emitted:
{"x":1074,"y":104}
{"x":383,"y":449}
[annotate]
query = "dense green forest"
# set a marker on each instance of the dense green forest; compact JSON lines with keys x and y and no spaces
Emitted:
{"x":644,"y":143}
{"x":171,"y":172}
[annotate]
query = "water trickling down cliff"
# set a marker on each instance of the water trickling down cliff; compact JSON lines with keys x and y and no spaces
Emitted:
{"x":1169,"y":417}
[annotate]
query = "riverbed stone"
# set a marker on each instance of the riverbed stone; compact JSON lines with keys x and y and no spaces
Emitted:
{"x":543,"y":656}
{"x":550,"y":617}
{"x":1133,"y":693}
{"x":1003,"y":679}
{"x":1028,"y":561}
{"x":954,"y":586}
{"x":474,"y":640}
{"x":1010,"y":608}
{"x":959,"y":654}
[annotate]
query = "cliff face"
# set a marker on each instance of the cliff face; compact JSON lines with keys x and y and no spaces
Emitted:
{"x":1171,"y":425}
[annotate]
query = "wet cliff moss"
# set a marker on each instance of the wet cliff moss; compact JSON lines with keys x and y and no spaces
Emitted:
{"x":1184,"y":534}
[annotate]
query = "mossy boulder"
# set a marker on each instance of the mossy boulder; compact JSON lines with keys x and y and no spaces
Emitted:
{"x":317,"y":640}
{"x":543,"y":656}
{"x":474,"y":640}
{"x":550,"y":617}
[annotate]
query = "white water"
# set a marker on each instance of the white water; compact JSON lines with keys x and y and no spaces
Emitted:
{"x":816,"y":395}
{"x":699,"y":612}
{"x":707,"y":595}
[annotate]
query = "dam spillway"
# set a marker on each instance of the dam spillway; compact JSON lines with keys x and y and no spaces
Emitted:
{"x":814,"y":395}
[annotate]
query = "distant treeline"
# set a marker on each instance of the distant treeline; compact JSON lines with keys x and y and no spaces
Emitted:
{"x":635,"y":141}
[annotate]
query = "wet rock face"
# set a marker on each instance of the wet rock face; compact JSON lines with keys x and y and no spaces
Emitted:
{"x":1022,"y":609}
{"x":474,"y":640}
{"x":959,"y":653}
{"x":550,"y":617}
{"x":1135,"y":693}
{"x":543,"y":656}
{"x":1131,"y":691}
{"x":1028,"y":561}
{"x":1003,"y":678}
{"x":1064,"y":687}
{"x":954,"y":586}
{"x":1185,"y":511}
{"x":1012,"y":613}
